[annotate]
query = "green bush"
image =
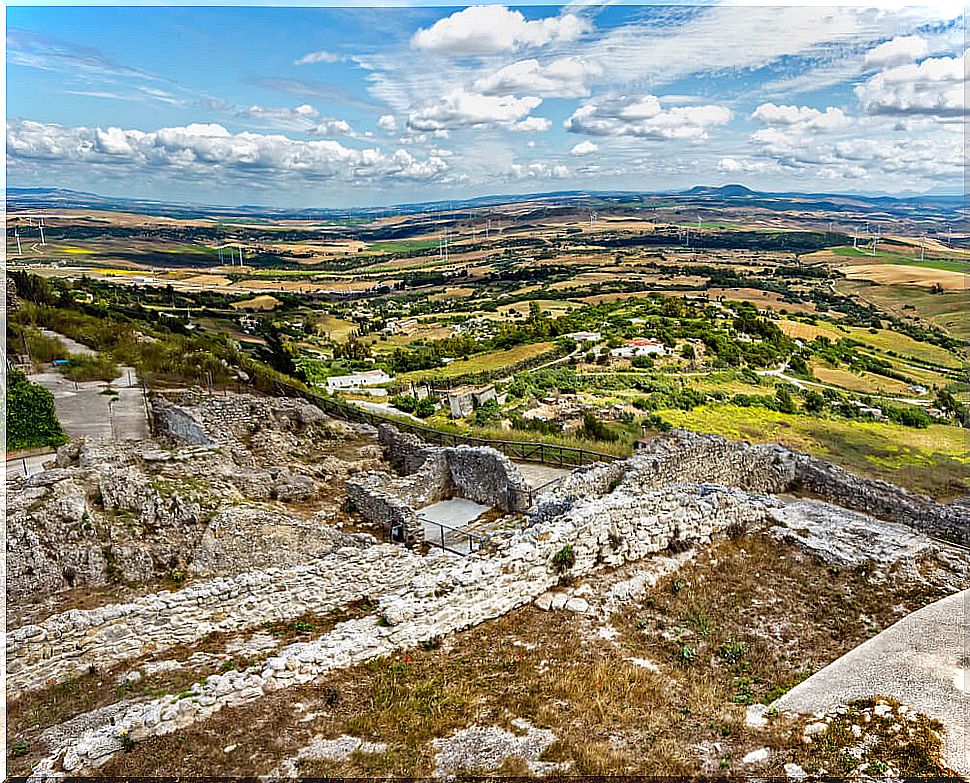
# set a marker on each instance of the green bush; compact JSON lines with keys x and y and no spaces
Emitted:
{"x":31,"y":417}
{"x":90,"y":368}
{"x":564,"y":559}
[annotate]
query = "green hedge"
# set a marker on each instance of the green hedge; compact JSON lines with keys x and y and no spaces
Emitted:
{"x":31,"y":418}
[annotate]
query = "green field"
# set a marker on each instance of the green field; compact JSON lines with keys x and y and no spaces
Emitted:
{"x":934,"y":460}
{"x":486,"y":362}
{"x":914,"y":260}
{"x":402,"y":246}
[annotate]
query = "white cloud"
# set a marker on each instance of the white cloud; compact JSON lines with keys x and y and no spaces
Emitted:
{"x":531,"y":125}
{"x":933,"y":87}
{"x":300,"y":118}
{"x":802,"y":117}
{"x":874,"y":157}
{"x":461,"y":109}
{"x":332,"y":127}
{"x":489,"y":29}
{"x":642,"y":116}
{"x":584,"y":148}
{"x":900,"y":50}
{"x":567,"y":77}
{"x":387,"y":123}
{"x":318,"y":57}
{"x":538,"y":170}
{"x":204,"y":151}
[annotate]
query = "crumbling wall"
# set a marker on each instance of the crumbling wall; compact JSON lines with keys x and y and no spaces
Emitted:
{"x":369,"y":495}
{"x":433,"y":473}
{"x":882,"y":499}
{"x":687,"y":456}
{"x":406,"y":452}
{"x":488,"y":477}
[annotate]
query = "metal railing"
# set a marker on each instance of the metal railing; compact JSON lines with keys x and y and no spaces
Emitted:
{"x":524,"y":451}
{"x":472,"y":541}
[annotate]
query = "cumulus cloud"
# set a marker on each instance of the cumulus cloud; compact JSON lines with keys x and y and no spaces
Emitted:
{"x":933,"y":87}
{"x":644,"y":117}
{"x":898,"y":51}
{"x":206,"y":150}
{"x":531,"y":125}
{"x":331,"y":126}
{"x":877,"y":157}
{"x":802,"y":117}
{"x":567,"y":77}
{"x":312,"y":58}
{"x":387,"y":123}
{"x":462,"y":109}
{"x":490,"y":29}
{"x":538,"y":170}
{"x":584,"y":148}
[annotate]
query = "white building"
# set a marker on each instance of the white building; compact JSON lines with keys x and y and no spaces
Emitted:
{"x":357,"y":380}
{"x":642,"y":347}
{"x":585,"y":337}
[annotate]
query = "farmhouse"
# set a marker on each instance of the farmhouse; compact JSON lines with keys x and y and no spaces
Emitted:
{"x":640,"y":347}
{"x":464,"y":400}
{"x":357,"y":380}
{"x":585,"y":337}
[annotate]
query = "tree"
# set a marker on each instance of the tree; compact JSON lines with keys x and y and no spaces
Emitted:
{"x":785,"y":402}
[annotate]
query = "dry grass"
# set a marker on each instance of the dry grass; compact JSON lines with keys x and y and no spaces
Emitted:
{"x":782,"y":614}
{"x":35,"y":711}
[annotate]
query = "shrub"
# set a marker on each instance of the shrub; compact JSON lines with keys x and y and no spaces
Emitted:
{"x":31,"y":417}
{"x":424,"y":408}
{"x":564,"y":559}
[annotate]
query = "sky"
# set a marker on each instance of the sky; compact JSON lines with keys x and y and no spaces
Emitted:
{"x":361,"y":106}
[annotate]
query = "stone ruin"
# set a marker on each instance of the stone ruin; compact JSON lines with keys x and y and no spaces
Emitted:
{"x":428,"y":474}
{"x":680,"y":491}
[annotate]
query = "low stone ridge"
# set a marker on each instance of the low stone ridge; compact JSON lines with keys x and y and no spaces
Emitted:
{"x":688,"y":456}
{"x":65,"y":645}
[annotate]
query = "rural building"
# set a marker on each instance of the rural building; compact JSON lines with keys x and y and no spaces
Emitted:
{"x":403,"y":326}
{"x":642,"y":347}
{"x":585,"y":337}
{"x":464,"y":400}
{"x":357,"y":380}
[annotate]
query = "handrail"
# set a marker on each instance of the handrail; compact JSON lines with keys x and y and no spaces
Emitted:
{"x":525,"y":451}
{"x":442,"y":527}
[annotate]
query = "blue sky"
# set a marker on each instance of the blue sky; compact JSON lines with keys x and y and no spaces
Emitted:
{"x":356,"y":106}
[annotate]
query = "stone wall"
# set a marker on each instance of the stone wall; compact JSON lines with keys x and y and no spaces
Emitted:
{"x":66,"y":644}
{"x":406,"y":452}
{"x":369,"y":495}
{"x":686,"y":456}
{"x":430,"y":474}
{"x":882,"y":499}
{"x":420,"y":599}
{"x":488,"y":477}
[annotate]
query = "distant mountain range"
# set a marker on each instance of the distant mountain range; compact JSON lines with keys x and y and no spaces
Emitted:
{"x":945,"y":207}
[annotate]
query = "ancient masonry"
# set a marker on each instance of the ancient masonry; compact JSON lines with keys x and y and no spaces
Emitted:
{"x":430,"y":474}
{"x":680,"y":491}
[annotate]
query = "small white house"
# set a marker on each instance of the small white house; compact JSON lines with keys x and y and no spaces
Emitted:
{"x":357,"y":380}
{"x":585,"y":337}
{"x":642,"y":347}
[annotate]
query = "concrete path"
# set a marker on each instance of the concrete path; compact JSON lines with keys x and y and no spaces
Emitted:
{"x":85,"y":412}
{"x":454,"y":513}
{"x":27,"y":466}
{"x":923,"y":661}
{"x":538,"y":475}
